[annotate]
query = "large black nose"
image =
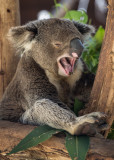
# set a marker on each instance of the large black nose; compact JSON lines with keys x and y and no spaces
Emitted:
{"x":76,"y":46}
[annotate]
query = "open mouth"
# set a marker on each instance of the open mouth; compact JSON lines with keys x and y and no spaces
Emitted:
{"x":66,"y":65}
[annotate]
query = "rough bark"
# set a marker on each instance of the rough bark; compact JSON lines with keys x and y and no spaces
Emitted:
{"x":9,"y":16}
{"x":102,"y":95}
{"x":54,"y":148}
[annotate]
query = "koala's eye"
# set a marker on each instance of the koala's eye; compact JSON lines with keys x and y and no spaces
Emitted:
{"x":57,"y":45}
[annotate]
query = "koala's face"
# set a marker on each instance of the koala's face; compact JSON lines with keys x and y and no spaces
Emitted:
{"x":54,"y":44}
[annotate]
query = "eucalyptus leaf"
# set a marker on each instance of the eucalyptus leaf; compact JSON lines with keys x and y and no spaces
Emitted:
{"x":83,"y":146}
{"x":79,"y":16}
{"x":58,"y":5}
{"x":78,"y":105}
{"x":99,"y":34}
{"x":77,"y":146}
{"x":70,"y":143}
{"x":38,"y":135}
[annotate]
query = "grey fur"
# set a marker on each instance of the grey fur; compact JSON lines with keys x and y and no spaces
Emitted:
{"x":38,"y":94}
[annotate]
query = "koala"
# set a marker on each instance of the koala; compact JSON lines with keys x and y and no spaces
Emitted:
{"x":47,"y":74}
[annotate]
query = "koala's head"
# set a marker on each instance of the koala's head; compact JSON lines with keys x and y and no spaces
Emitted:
{"x":55,"y":44}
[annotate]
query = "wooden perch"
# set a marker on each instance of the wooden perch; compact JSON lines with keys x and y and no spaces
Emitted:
{"x":53,"y":149}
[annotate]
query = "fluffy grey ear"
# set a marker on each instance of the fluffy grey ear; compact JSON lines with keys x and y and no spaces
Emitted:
{"x":23,"y":36}
{"x":85,"y":29}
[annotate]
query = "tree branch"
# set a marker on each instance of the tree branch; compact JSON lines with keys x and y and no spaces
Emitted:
{"x":11,"y":133}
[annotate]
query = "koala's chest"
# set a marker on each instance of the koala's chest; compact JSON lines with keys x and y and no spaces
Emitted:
{"x":63,"y":87}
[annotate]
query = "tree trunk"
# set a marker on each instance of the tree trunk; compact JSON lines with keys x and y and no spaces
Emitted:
{"x":52,"y":149}
{"x":102,"y":95}
{"x":9,"y":16}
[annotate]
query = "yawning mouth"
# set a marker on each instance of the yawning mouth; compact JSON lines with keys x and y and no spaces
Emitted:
{"x":66,"y":65}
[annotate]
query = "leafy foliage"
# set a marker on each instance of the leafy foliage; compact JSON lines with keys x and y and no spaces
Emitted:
{"x":92,"y":50}
{"x":79,"y":16}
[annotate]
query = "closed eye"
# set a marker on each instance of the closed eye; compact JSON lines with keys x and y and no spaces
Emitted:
{"x":57,"y":45}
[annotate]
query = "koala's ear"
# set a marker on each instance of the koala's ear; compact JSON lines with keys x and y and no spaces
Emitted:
{"x":22,"y":36}
{"x":85,"y":29}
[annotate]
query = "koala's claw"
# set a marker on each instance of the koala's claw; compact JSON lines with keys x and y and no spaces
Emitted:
{"x":90,"y":124}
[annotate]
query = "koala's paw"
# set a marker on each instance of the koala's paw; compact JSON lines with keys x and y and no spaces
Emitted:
{"x":90,"y":124}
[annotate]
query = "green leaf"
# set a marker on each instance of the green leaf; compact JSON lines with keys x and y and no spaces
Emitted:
{"x":77,"y":146}
{"x":93,"y":61}
{"x":79,"y":16}
{"x":37,"y":136}
{"x":78,"y":105}
{"x":58,"y":5}
{"x":70,"y":144}
{"x":111,"y":133}
{"x":83,"y":146}
{"x":99,"y":35}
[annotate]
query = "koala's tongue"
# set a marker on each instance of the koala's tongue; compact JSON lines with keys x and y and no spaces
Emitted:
{"x":67,"y":65}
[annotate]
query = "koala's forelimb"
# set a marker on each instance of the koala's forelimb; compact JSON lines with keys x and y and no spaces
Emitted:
{"x":47,"y":112}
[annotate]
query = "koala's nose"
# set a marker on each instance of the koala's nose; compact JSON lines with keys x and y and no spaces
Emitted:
{"x":76,"y":46}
